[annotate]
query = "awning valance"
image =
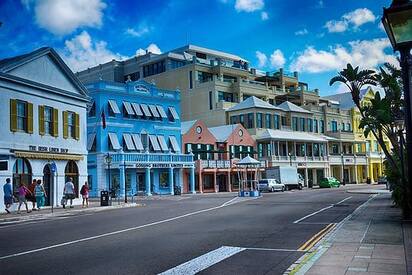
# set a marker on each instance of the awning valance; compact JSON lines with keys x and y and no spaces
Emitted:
{"x":50,"y":156}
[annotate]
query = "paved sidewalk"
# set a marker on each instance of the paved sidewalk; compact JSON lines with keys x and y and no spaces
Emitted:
{"x":373,"y":240}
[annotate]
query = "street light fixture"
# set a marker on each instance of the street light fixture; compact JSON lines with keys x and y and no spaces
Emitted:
{"x":290,"y":159}
{"x":108,"y":160}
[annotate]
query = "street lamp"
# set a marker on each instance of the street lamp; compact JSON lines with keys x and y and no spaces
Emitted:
{"x":290,"y":159}
{"x":397,"y":20}
{"x":343,"y":170}
{"x":108,"y":160}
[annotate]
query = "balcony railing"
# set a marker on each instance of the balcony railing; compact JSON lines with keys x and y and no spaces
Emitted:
{"x":152,"y":158}
{"x":214,"y":163}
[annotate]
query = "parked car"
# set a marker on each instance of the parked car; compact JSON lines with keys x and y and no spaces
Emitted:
{"x":382,"y":180}
{"x":270,"y":185}
{"x":329,"y":182}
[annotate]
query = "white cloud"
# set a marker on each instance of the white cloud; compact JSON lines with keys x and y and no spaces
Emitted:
{"x":353,"y":19}
{"x":264,"y":15}
{"x":82,"y":52}
{"x":277,"y":60}
{"x":249,"y":5}
{"x":301,"y":32}
{"x":63,"y":17}
{"x":366,"y":54}
{"x":142,"y":30}
{"x":153,"y":48}
{"x":262,"y":59}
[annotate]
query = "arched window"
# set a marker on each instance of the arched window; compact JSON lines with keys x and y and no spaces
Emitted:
{"x":21,"y":173}
{"x":71,"y":171}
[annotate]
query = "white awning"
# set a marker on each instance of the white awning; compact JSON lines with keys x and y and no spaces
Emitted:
{"x":174,"y":143}
{"x":128,"y":108}
{"x":114,"y":141}
{"x":172,"y":110}
{"x":136,"y":109}
{"x":163,"y":143}
{"x":90,"y":141}
{"x":154,"y":142}
{"x":154,"y":110}
{"x":137,"y":142}
{"x":161,"y":111}
{"x":145,"y":110}
{"x":129,"y":142}
{"x":114,"y":107}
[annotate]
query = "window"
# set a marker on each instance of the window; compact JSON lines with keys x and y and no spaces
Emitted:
{"x":276,"y":122}
{"x":210,"y":100}
{"x":223,"y":96}
{"x":260,"y":150}
{"x":251,"y":120}
{"x":48,"y":120}
{"x":283,"y":121}
{"x":315,"y":126}
{"x":322,"y":126}
{"x":233,"y":119}
{"x":204,"y":77}
{"x":302,"y":124}
{"x":335,"y":149}
{"x":294,"y":123}
{"x":132,"y":76}
{"x":71,"y":125}
{"x":242,"y":120}
{"x":348,"y":128}
{"x":201,"y":55}
{"x":268,"y":121}
{"x":155,"y":68}
{"x":343,"y":126}
{"x":22,"y":116}
{"x":334,"y":126}
{"x":259,"y":122}
{"x":174,"y":64}
{"x":164,"y":179}
{"x":310,"y":125}
{"x":190,"y":80}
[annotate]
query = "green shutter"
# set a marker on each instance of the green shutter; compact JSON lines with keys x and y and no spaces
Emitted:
{"x":77,"y":128}
{"x":55,"y":123}
{"x":41,"y":120}
{"x":13,"y":115}
{"x":65,"y":124}
{"x":29,"y":118}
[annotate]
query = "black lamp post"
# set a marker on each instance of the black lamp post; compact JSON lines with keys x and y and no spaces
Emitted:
{"x":397,"y":20}
{"x":343,"y":170}
{"x":108,"y":159}
{"x":290,"y":159}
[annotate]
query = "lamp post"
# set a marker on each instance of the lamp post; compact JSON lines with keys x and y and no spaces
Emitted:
{"x":108,"y":159}
{"x":343,"y":170}
{"x":290,"y":159}
{"x":397,"y":20}
{"x":380,"y":155}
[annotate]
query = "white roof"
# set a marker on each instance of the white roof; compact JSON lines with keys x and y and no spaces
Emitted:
{"x":253,"y":102}
{"x":214,"y":52}
{"x":290,"y":107}
{"x":186,"y":125}
{"x":248,"y":161}
{"x":222,"y":133}
{"x":289,"y":135}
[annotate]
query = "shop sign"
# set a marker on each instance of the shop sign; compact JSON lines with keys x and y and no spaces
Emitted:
{"x":44,"y":149}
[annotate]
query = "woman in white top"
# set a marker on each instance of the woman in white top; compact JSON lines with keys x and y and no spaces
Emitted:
{"x":69,"y":192}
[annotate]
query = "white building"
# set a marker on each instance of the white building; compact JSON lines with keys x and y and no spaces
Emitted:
{"x":43,"y":118}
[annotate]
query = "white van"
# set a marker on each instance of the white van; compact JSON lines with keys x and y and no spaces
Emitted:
{"x":270,"y":185}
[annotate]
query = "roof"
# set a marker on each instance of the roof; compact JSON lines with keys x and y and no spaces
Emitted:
{"x":186,"y":125}
{"x":248,"y":161}
{"x":345,"y":99}
{"x":211,"y":52}
{"x":222,"y":133}
{"x":9,"y":64}
{"x":289,"y":135}
{"x":290,"y":107}
{"x":253,"y":102}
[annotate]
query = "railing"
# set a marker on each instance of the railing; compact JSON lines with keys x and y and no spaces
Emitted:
{"x":152,"y":158}
{"x":214,"y":163}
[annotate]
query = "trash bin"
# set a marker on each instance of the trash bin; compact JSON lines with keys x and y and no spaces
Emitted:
{"x":368,"y":180}
{"x":104,"y":198}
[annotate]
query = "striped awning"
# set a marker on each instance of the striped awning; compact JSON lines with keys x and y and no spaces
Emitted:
{"x":114,"y":107}
{"x":129,"y":142}
{"x":154,"y":142}
{"x":163,"y":143}
{"x":49,"y":156}
{"x":161,"y":111}
{"x":128,"y":108}
{"x":154,"y":111}
{"x":137,"y":142}
{"x":174,"y":143}
{"x":114,"y":141}
{"x":145,"y":110}
{"x":137,"y":109}
{"x":172,"y":110}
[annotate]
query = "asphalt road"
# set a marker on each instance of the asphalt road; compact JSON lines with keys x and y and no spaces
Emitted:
{"x":169,"y":232}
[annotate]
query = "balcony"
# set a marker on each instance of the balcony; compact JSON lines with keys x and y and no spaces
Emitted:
{"x":348,"y":159}
{"x":341,"y":135}
{"x":150,"y":159}
{"x":219,"y":164}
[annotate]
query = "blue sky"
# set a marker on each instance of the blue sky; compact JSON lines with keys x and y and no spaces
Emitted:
{"x":314,"y":37}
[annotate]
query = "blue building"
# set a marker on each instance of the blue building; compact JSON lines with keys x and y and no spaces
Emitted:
{"x":134,"y":139}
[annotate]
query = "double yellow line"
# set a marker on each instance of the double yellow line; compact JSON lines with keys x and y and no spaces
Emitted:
{"x":312,"y":241}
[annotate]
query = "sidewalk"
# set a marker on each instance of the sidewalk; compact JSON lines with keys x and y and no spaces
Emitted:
{"x":373,"y":240}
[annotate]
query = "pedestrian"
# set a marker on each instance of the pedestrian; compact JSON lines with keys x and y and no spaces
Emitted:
{"x":69,"y":192}
{"x":40,"y":194}
{"x":31,"y":197}
{"x":84,"y":191}
{"x":23,"y":191}
{"x":8,"y":195}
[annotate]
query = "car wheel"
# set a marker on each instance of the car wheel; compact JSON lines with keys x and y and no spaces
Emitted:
{"x":272,"y":189}
{"x":283,"y":188}
{"x":300,"y":187}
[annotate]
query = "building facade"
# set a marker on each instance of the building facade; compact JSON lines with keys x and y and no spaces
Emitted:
{"x":134,"y":139}
{"x":44,"y":120}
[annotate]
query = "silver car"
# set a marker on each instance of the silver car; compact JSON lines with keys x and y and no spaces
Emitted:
{"x":270,"y":185}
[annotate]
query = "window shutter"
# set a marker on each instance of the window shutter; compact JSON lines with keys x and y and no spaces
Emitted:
{"x":13,"y":115}
{"x":77,"y":128}
{"x":41,"y":120}
{"x":30,"y":118}
{"x":65,"y":124}
{"x":55,"y":123}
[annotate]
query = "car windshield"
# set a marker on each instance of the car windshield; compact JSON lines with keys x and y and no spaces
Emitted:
{"x":263,"y":181}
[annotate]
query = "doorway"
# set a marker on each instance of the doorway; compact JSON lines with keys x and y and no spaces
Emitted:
{"x":140,"y":182}
{"x":71,"y":171}
{"x":222,"y":182}
{"x":47,"y":183}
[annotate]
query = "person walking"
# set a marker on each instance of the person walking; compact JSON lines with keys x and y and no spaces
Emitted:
{"x":69,"y":192}
{"x":31,"y":197}
{"x":40,"y":194}
{"x":84,"y":191}
{"x":8,"y":195}
{"x":23,"y":191}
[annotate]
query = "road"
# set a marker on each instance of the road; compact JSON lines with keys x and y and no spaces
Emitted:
{"x":259,"y":236}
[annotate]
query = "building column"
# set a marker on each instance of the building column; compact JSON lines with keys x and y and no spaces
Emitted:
{"x":200,"y":181}
{"x":294,"y":148}
{"x":356,"y":172}
{"x":215,"y":181}
{"x":122,"y":179}
{"x":278,"y":151}
{"x":306,"y":177}
{"x":229,"y":181}
{"x":171,"y":182}
{"x":147,"y":181}
{"x":192,"y":180}
{"x":341,"y":172}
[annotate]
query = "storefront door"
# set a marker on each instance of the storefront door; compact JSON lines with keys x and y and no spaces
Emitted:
{"x":222,"y":183}
{"x":47,"y":183}
{"x":140,"y":182}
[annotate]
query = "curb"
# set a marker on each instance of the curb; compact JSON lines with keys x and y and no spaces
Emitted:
{"x":306,"y":261}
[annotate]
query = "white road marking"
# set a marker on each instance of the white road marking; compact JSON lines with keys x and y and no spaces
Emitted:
{"x":115,"y":232}
{"x":202,"y":262}
{"x":321,"y":210}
